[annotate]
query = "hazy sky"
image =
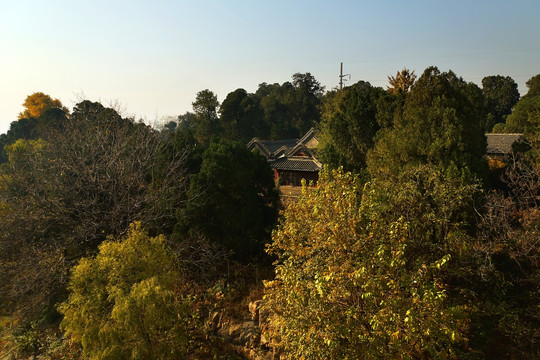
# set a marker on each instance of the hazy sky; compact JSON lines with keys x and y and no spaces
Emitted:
{"x":154,"y":56}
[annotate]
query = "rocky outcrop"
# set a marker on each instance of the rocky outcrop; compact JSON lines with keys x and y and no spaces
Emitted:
{"x":244,"y":334}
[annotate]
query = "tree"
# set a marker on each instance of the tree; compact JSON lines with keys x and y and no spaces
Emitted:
{"x":62,"y":195}
{"x":507,"y":265}
{"x":170,"y":126}
{"x":441,"y":125}
{"x":41,"y":114}
{"x":278,"y":111}
{"x":239,"y":205}
{"x":307,"y":98}
{"x":185,"y":122}
{"x":533,"y":84}
{"x":403,"y":80}
{"x":502,"y":94}
{"x":123,"y":302}
{"x":242,"y":117}
{"x":526,"y":115}
{"x":291,"y":109}
{"x":348,"y":126}
{"x":206,"y":122}
{"x":20,"y":129}
{"x":355,"y":279}
{"x":37,"y":103}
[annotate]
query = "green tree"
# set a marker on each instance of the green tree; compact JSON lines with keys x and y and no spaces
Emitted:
{"x":390,"y":108}
{"x":348,"y":126}
{"x":206,"y":123}
{"x":239,"y":205}
{"x":170,"y":126}
{"x":526,"y":115}
{"x":441,"y":125}
{"x":533,"y":84}
{"x":501,"y":94}
{"x":123,"y":303}
{"x":20,"y":129}
{"x":307,"y":98}
{"x":185,"y":121}
{"x":242,"y":117}
{"x":278,"y":112}
{"x":292,"y":108}
{"x":355,"y":279}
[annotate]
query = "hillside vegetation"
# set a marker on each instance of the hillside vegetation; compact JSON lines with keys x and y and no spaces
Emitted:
{"x":123,"y":241}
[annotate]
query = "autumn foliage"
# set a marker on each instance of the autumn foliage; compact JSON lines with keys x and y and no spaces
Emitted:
{"x":119,"y":240}
{"x":350,"y":284}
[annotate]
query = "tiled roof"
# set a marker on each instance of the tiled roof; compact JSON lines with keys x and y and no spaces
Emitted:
{"x":309,"y":139}
{"x":275,"y":148}
{"x":289,"y":154}
{"x":296,"y":164}
{"x":275,"y":145}
{"x":501,"y":143}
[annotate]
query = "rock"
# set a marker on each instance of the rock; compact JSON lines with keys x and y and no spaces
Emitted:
{"x":254,"y":309}
{"x":241,"y":333}
{"x":213,"y":322}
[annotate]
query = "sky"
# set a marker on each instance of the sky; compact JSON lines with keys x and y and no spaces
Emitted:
{"x":150,"y":58}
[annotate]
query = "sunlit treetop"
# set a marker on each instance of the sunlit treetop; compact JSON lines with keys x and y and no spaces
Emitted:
{"x":37,"y":103}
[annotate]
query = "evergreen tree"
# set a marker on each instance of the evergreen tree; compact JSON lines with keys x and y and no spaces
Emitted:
{"x":349,"y":124}
{"x":441,"y":125}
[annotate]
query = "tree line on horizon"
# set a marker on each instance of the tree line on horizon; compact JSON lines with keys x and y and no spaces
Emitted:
{"x":412,"y":246}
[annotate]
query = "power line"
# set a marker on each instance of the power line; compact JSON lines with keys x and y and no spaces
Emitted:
{"x":444,"y":56}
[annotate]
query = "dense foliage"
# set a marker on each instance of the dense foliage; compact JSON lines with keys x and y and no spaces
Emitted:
{"x":123,"y":303}
{"x":237,"y":201}
{"x":440,"y":125}
{"x":122,"y":241}
{"x":359,"y":278}
{"x":501,"y":94}
{"x":64,"y":193}
{"x":349,"y":124}
{"x":89,"y":175}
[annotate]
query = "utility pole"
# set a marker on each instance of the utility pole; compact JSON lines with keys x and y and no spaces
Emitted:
{"x":341,"y":76}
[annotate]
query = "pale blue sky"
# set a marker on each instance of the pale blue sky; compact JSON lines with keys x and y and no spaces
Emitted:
{"x":154,"y":56}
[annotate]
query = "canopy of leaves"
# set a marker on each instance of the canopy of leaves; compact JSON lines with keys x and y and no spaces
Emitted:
{"x":237,"y":200}
{"x":291,"y":109}
{"x":307,"y":98}
{"x":533,"y":84}
{"x":242,"y":117}
{"x":32,"y":128}
{"x":278,"y":111}
{"x":348,"y":126}
{"x":501,"y":94}
{"x":37,"y":103}
{"x":350,"y":282}
{"x":206,"y":122}
{"x":63,"y":194}
{"x":525,"y":117}
{"x":403,"y":80}
{"x":122,"y":302}
{"x":441,"y":125}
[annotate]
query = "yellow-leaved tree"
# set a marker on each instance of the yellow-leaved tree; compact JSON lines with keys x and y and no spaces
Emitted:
{"x":350,"y":280}
{"x":37,"y":103}
{"x":123,"y":303}
{"x":403,"y":80}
